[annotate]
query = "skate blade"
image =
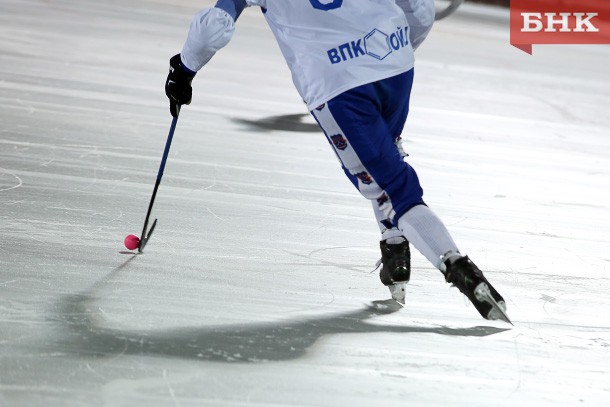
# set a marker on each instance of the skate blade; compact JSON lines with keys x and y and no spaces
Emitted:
{"x":498,"y":311}
{"x":398,"y":292}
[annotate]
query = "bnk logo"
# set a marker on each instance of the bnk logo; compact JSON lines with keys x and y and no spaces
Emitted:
{"x":559,"y":22}
{"x":562,"y":22}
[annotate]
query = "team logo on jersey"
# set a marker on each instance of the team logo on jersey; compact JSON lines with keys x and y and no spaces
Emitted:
{"x":322,"y":106}
{"x":364,"y":177}
{"x":376,"y":44}
{"x":339,"y":141}
{"x":326,"y":4}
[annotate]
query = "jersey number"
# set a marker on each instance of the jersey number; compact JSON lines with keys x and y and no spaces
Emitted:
{"x":326,"y":4}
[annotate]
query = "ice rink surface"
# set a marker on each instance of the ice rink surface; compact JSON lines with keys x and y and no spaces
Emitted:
{"x":256,"y":289}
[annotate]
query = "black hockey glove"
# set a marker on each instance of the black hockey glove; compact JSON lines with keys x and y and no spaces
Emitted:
{"x":178,"y":85}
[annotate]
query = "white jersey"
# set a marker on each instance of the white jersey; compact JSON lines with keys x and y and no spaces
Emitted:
{"x":335,"y":45}
{"x":330,"y":46}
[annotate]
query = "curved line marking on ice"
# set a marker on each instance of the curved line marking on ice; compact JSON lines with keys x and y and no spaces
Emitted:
{"x":13,"y":187}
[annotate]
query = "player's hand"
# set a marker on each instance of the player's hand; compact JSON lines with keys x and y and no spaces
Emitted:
{"x":178,"y":85}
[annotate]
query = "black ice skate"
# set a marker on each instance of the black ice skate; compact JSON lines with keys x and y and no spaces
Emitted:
{"x":396,"y":269}
{"x":467,"y":277}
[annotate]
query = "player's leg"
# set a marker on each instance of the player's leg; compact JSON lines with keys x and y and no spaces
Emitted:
{"x":395,"y":252}
{"x":428,"y":233}
{"x":362,"y":125}
{"x":356,"y":128}
{"x":355,"y":125}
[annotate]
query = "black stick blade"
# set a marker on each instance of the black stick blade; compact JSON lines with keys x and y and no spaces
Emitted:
{"x":145,"y":238}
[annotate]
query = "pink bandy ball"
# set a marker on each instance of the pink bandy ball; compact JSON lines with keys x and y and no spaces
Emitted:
{"x":132,"y":242}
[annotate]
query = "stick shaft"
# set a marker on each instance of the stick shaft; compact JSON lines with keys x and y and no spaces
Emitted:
{"x":168,"y":144}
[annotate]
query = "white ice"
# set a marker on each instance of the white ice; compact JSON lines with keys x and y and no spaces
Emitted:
{"x":256,"y":289}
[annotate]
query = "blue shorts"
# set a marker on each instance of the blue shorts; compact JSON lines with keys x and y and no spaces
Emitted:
{"x":363,"y":125}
